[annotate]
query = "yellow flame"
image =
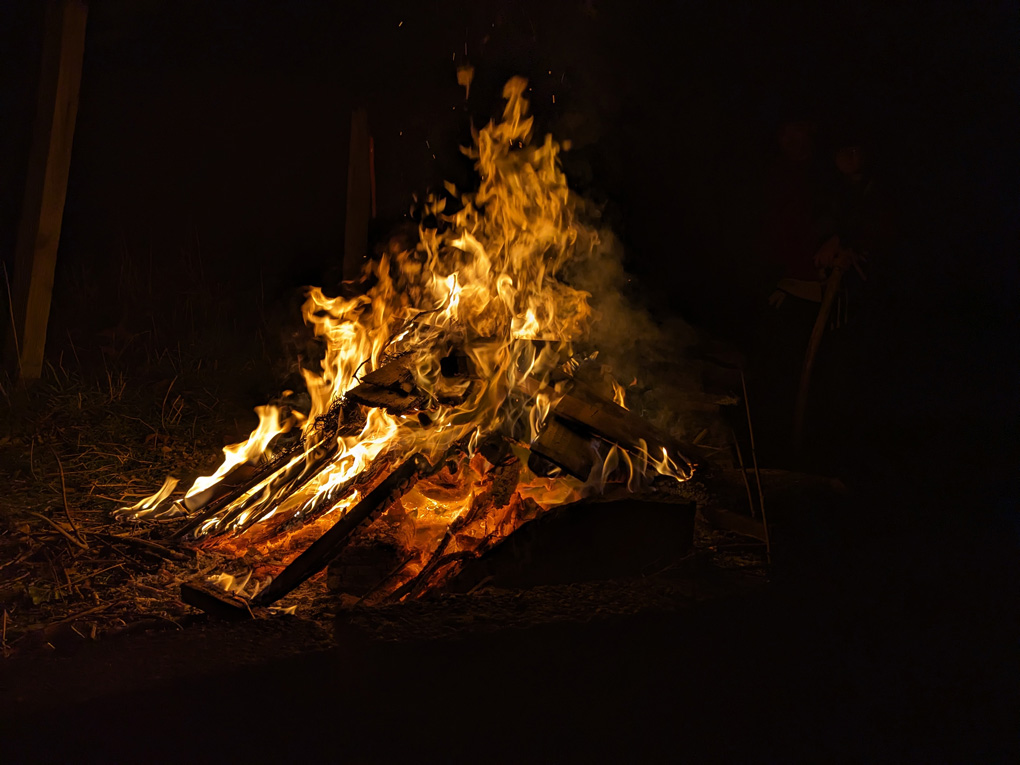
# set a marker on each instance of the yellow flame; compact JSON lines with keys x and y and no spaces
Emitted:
{"x":486,"y":281}
{"x":269,"y":427}
{"x":143,"y":508}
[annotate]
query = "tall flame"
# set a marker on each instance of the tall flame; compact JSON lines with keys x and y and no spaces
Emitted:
{"x":486,"y":280}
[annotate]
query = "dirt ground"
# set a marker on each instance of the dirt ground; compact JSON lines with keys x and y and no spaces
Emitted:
{"x":872,"y":637}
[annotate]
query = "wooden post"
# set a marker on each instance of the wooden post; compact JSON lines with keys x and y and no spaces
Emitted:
{"x":360,"y":192}
{"x":46,"y":185}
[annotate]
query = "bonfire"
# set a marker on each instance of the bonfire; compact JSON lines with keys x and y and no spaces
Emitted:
{"x":445,"y":408}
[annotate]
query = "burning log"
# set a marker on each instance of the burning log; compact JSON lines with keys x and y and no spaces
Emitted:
{"x":587,"y":412}
{"x":560,"y":446}
{"x":390,"y":387}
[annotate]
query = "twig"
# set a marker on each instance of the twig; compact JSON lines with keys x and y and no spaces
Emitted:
{"x":67,"y":510}
{"x":153,"y":547}
{"x":743,"y":473}
{"x":86,"y":612}
{"x":83,"y":577}
{"x":757,"y":473}
{"x":162,"y":409}
{"x":60,"y":528}
{"x":14,"y":331}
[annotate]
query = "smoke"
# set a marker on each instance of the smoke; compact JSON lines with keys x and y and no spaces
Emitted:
{"x":642,"y":353}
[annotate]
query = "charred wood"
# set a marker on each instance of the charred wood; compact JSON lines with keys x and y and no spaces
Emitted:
{"x":326,"y":547}
{"x":215,"y":601}
{"x":395,"y":402}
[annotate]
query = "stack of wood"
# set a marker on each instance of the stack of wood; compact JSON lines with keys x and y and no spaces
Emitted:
{"x":371,"y":547}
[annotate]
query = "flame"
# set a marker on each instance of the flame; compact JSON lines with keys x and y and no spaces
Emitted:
{"x":619,"y":393}
{"x":485,"y":280}
{"x":270,"y":426}
{"x":149,"y":505}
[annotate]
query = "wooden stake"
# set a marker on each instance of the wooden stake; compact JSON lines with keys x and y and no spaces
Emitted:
{"x":831,"y":289}
{"x":46,"y":185}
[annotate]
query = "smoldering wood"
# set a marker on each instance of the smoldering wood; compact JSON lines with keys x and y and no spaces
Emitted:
{"x":350,"y":574}
{"x":565,"y":448}
{"x":585,"y":541}
{"x":325,"y":548}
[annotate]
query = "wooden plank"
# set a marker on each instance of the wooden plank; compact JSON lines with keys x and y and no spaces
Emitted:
{"x":46,"y":185}
{"x":325,"y":548}
{"x":586,"y":411}
{"x":566,"y":448}
{"x":359,"y":195}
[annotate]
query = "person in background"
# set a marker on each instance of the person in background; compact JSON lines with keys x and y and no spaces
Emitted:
{"x":795,"y":224}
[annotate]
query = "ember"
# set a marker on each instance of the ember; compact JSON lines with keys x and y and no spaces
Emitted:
{"x":446,"y":397}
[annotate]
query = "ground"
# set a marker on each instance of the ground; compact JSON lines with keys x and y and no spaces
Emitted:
{"x":865,"y":641}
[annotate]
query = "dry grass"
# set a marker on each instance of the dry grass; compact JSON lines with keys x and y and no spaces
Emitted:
{"x":75,"y":446}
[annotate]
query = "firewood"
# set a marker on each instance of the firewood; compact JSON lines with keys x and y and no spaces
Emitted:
{"x":297,"y":474}
{"x":588,"y":412}
{"x":395,"y":375}
{"x":215,"y":601}
{"x":565,"y":448}
{"x":395,"y":402}
{"x":280,"y":468}
{"x":326,"y":547}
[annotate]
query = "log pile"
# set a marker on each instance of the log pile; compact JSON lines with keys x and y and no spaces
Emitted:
{"x":371,"y":550}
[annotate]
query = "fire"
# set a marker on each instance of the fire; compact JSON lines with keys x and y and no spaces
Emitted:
{"x":488,"y":282}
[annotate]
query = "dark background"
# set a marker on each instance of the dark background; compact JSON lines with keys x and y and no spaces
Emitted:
{"x":208,"y":182}
{"x":208,"y":178}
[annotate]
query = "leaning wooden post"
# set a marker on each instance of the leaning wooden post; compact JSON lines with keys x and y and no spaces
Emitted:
{"x":839,"y":266}
{"x":42,"y":210}
{"x":360,"y":193}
